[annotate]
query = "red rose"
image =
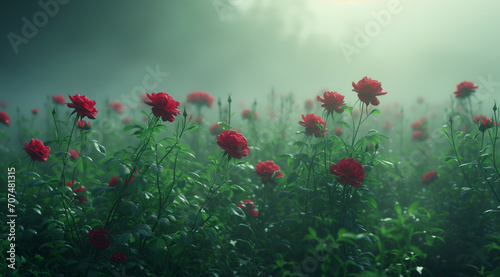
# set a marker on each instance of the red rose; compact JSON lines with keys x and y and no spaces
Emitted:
{"x":59,"y":99}
{"x":332,"y":101}
{"x":417,"y":125}
{"x":200,"y":98}
{"x":74,"y":154}
{"x":163,"y":105}
{"x":37,"y":150}
{"x":247,"y":114}
{"x":118,"y":257}
{"x":249,"y":205}
{"x":80,"y":195}
{"x":233,"y":143}
{"x":98,"y":238}
{"x":338,"y":131}
{"x":350,"y":172}
{"x":419,"y":135}
{"x":117,"y":106}
{"x":478,"y":118}
{"x":267,"y":171}
{"x":4,"y":118}
{"x":429,"y":177}
{"x":118,"y":181}
{"x":310,"y":121}
{"x":69,"y":184}
{"x":368,"y":90}
{"x":83,"y":106}
{"x":485,"y":124}
{"x":34,"y":111}
{"x":83,"y":125}
{"x":465,"y":89}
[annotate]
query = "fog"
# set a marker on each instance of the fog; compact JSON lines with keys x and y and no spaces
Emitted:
{"x":106,"y":50}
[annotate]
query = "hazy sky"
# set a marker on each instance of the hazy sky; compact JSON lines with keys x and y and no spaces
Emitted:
{"x":106,"y":49}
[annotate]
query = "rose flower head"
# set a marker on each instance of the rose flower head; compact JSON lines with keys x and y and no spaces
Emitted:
{"x":368,"y":90}
{"x":249,"y":206}
{"x":117,"y":106}
{"x":465,"y":89}
{"x":332,"y":101}
{"x":83,"y":106}
{"x":310,"y":122}
{"x":98,"y":238}
{"x":200,"y":98}
{"x":4,"y":118}
{"x":485,"y":124}
{"x":247,"y":114}
{"x":233,"y":143}
{"x":118,"y":257}
{"x":349,"y":171}
{"x":164,"y":106}
{"x":58,"y":99}
{"x":267,"y":171}
{"x":429,"y":177}
{"x":37,"y":150}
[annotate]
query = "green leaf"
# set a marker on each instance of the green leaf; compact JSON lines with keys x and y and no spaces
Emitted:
{"x":123,"y":239}
{"x":292,"y":177}
{"x":397,"y":208}
{"x":312,"y":232}
{"x":413,"y":208}
{"x":36,"y":182}
{"x":130,"y":127}
{"x":443,"y":130}
{"x":466,"y":193}
{"x":143,"y":229}
{"x":375,"y":111}
{"x":101,"y":149}
{"x":237,"y":211}
{"x":30,"y":172}
{"x":448,"y":159}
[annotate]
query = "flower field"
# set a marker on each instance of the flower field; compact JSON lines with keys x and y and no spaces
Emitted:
{"x":324,"y":187}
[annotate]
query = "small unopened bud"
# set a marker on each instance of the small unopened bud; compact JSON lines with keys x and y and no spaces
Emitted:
{"x":376,"y":146}
{"x":366,"y":148}
{"x":450,"y":120}
{"x":219,"y":103}
{"x":53,"y":111}
{"x":229,"y":100}
{"x":495,"y":107}
{"x":184,"y":113}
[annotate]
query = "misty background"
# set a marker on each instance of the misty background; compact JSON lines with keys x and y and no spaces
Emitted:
{"x":104,"y":49}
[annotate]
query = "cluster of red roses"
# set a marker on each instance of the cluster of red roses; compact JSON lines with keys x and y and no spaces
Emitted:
{"x":367,"y":89}
{"x":419,"y":128}
{"x":99,"y":240}
{"x":79,"y":193}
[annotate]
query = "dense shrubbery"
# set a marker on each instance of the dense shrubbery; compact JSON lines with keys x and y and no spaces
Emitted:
{"x":336,"y":194}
